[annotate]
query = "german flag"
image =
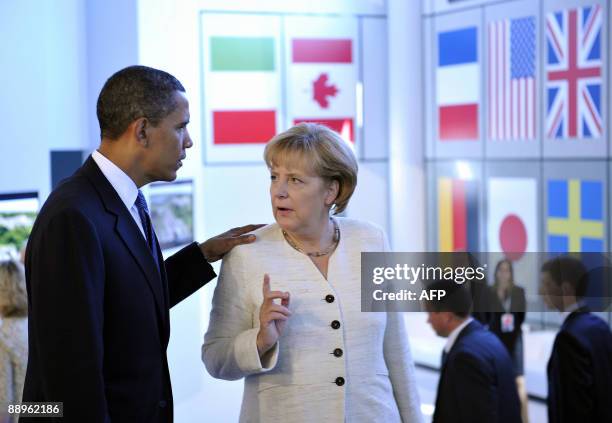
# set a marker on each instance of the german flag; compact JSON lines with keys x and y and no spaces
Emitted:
{"x":457,"y":215}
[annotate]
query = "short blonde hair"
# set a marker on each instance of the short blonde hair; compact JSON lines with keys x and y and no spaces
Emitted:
{"x":325,"y":153}
{"x":13,"y":290}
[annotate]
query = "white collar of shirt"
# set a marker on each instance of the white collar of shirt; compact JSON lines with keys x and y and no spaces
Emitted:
{"x":572,"y":307}
{"x":455,"y":333}
{"x":123,"y":184}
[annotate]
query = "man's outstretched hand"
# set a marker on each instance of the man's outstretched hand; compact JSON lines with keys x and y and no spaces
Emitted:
{"x":216,"y":247}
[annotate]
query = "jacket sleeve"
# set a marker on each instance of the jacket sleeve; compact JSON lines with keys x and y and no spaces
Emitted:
{"x":401,"y":368}
{"x":398,"y":358}
{"x":576,"y":380}
{"x":187,"y":271}
{"x":66,"y":295}
{"x":230,"y":343}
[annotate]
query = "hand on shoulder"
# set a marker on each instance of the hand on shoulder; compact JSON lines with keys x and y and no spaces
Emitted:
{"x":216,"y":247}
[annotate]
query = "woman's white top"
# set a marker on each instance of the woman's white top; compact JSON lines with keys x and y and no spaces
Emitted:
{"x":296,"y":380}
{"x":13,"y":360}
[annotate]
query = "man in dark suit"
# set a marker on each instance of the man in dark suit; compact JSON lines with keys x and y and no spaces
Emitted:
{"x":99,"y":292}
{"x":580,"y":365}
{"x":476,"y":377}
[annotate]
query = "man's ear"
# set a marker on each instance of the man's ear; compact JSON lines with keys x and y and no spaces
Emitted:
{"x":139,"y":128}
{"x":567,"y":289}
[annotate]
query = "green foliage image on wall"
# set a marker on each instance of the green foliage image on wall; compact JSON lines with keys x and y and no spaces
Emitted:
{"x":15,"y":229}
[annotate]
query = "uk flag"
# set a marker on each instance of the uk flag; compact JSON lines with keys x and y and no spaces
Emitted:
{"x":573,"y":73}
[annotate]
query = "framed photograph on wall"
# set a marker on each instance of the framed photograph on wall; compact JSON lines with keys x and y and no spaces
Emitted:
{"x":18,"y":212}
{"x":171,"y":208}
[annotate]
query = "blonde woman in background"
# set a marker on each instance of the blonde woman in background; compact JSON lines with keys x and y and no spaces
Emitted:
{"x":13,"y":335}
{"x":286,"y":312}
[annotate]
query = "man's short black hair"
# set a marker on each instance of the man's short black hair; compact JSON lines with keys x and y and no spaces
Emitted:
{"x":133,"y":93}
{"x":458,"y":298}
{"x":568,"y":269}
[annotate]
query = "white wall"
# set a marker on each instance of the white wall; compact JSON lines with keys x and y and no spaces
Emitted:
{"x":111,"y":36}
{"x":56,"y":54}
{"x":406,"y":129}
{"x":42,"y":101}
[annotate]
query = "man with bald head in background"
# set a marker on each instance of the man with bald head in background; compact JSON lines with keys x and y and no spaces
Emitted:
{"x":476,"y":376}
{"x":99,"y":291}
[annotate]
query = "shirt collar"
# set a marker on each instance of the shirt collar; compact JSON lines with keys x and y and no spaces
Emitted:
{"x":121,"y":182}
{"x":455,"y":333}
{"x":572,"y":307}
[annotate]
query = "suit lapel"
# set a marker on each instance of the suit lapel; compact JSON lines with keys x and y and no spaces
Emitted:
{"x":473,"y":325}
{"x":164,"y":279}
{"x":131,"y":236}
{"x":470,"y":327}
{"x":552,"y":365}
{"x":127,"y":229}
{"x":576,"y":313}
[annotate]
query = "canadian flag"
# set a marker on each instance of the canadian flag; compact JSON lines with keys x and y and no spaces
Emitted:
{"x":321,"y":73}
{"x":512,"y":226}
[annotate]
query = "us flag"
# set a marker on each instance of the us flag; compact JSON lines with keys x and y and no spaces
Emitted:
{"x":573,"y":73}
{"x":511,"y":86}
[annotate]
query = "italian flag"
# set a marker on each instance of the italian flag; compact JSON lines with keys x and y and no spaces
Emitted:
{"x":321,"y":74}
{"x":241,"y":85}
{"x":242,"y":88}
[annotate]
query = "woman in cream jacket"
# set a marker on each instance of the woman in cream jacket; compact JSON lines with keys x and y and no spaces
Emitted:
{"x":286,"y":312}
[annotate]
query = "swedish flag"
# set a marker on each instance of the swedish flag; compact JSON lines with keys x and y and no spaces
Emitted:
{"x":575,"y":216}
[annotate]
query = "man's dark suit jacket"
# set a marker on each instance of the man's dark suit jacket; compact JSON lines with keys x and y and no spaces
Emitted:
{"x":99,"y":308}
{"x":477,"y":382}
{"x":580,"y":371}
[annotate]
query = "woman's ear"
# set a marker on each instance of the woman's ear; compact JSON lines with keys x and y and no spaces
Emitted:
{"x":332,"y":192}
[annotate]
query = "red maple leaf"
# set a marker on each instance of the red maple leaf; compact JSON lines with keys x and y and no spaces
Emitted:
{"x":321,"y":90}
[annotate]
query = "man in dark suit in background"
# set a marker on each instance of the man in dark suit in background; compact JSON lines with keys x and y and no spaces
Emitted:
{"x":99,"y":292}
{"x":476,"y":377}
{"x":580,"y":365}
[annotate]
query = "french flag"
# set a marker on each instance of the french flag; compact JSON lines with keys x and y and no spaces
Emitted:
{"x":458,"y":85}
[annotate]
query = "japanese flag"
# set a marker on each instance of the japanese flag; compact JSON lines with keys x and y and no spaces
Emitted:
{"x":512,"y":216}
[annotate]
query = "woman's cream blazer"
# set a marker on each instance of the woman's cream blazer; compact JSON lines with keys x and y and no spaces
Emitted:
{"x":298,"y":379}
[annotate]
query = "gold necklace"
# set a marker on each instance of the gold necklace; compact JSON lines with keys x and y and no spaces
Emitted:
{"x":331,"y":248}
